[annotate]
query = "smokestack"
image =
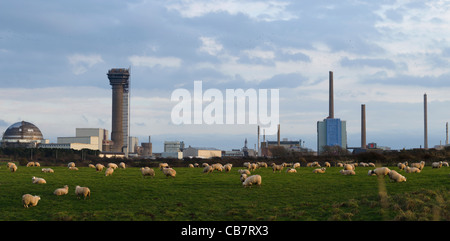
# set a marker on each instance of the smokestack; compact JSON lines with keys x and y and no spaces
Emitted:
{"x":363,"y":126}
{"x":278,"y":134}
{"x":259,"y":150}
{"x":425,"y":121}
{"x":331,"y":97}
{"x":446,"y":133}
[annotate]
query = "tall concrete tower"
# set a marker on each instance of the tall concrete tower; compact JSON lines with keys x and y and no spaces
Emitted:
{"x":425,"y":122}
{"x":119,"y":80}
{"x":363,"y":126}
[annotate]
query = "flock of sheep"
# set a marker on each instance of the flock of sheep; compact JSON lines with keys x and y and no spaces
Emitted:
{"x":246,"y":178}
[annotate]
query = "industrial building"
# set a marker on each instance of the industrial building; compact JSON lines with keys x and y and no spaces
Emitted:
{"x":173,"y":149}
{"x":119,"y":79}
{"x":331,"y":131}
{"x":202,"y":152}
{"x":85,"y":138}
{"x":22,"y":134}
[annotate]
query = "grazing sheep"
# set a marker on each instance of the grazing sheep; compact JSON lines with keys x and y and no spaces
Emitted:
{"x":327,"y":164}
{"x":276,"y":167}
{"x":412,"y":169}
{"x":339,"y":164}
{"x":109,"y":171}
{"x":243,"y":177}
{"x":37,"y":164}
{"x":436,"y":164}
{"x":419,"y":165}
{"x":380,"y":171}
{"x":196,"y":164}
{"x":122,"y":165}
{"x":112,"y":165}
{"x":217,"y":166}
{"x":445,"y":164}
{"x":363,"y":164}
{"x":82,"y":191}
{"x":28,"y":199}
{"x":205,"y":164}
{"x":291,"y":170}
{"x":347,"y":172}
{"x":319,"y":170}
{"x":38,"y":180}
{"x":163,"y":165}
{"x":208,"y":169}
{"x":48,"y":170}
{"x":91,"y":166}
{"x":252,"y":180}
{"x":244,"y":171}
{"x":169,"y":172}
{"x":297,"y":164}
{"x":401,"y":166}
{"x":246,"y":164}
{"x":30,"y":164}
{"x":227,"y":167}
{"x":61,"y":191}
{"x":349,"y":167}
{"x":191,"y":165}
{"x":71,"y":164}
{"x":99,"y":167}
{"x":13,"y":167}
{"x":147,"y":171}
{"x":395,"y":176}
{"x":371,"y":164}
{"x":9,"y":164}
{"x":73,"y":168}
{"x":262,"y":164}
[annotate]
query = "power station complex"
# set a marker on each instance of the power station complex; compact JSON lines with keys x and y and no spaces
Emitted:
{"x":331,"y":132}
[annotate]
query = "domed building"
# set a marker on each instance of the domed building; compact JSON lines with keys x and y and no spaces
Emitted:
{"x":22,"y":134}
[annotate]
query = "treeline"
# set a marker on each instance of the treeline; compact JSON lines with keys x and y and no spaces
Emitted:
{"x":60,"y":157}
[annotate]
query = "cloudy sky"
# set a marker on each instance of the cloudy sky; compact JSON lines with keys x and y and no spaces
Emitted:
{"x":54,"y":56}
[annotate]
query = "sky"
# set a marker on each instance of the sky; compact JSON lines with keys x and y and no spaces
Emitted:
{"x":54,"y":56}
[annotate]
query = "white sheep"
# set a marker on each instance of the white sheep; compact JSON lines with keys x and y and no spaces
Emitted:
{"x":319,"y":170}
{"x":208,"y":169}
{"x":339,"y":164}
{"x":112,"y":165}
{"x":243,"y":177}
{"x":380,"y":171}
{"x":347,"y":172}
{"x":99,"y":167}
{"x":371,"y":164}
{"x":395,"y":176}
{"x":71,"y":164}
{"x":169,"y":172}
{"x":244,"y":171}
{"x":445,"y":164}
{"x":163,"y":165}
{"x":412,"y":169}
{"x":28,"y":199}
{"x":147,"y":171}
{"x":122,"y":165}
{"x":205,"y":164}
{"x":109,"y":171}
{"x":349,"y":167}
{"x":48,"y":170}
{"x":13,"y":167}
{"x":191,"y":165}
{"x":73,"y":168}
{"x":327,"y":164}
{"x":436,"y":164}
{"x":36,"y":164}
{"x":227,"y":167}
{"x":262,"y":164}
{"x":252,"y":180}
{"x":276,"y":167}
{"x":82,"y":191}
{"x":30,"y":164}
{"x":297,"y":164}
{"x":61,"y":191}
{"x":419,"y":165}
{"x":91,"y":166}
{"x":291,"y":170}
{"x":38,"y":180}
{"x":401,"y":166}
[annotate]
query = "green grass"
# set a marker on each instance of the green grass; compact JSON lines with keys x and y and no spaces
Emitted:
{"x":219,"y":196}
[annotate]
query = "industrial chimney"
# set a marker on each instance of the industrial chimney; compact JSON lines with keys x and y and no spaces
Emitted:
{"x":425,"y":121}
{"x":118,"y":79}
{"x":331,"y":97}
{"x":278,"y":134}
{"x":363,"y":126}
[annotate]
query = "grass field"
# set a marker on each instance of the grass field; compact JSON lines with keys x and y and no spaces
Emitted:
{"x":219,"y":196}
